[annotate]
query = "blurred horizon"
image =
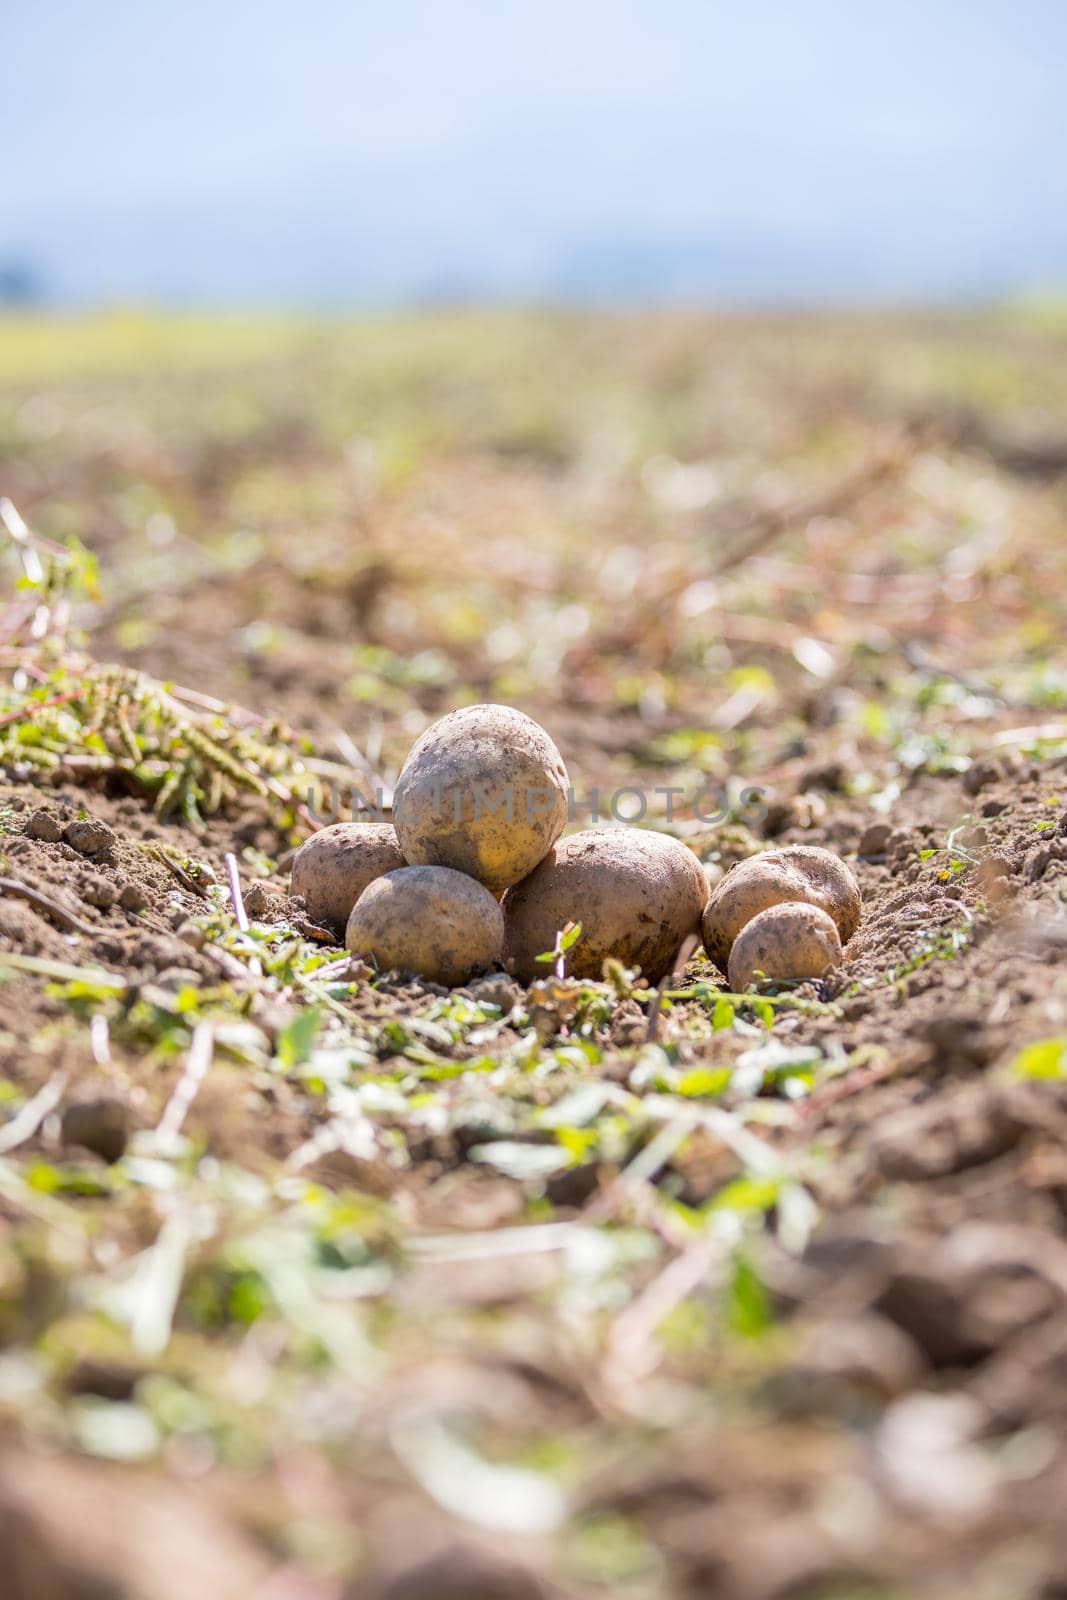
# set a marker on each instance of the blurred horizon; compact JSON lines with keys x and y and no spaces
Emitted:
{"x":340,"y":157}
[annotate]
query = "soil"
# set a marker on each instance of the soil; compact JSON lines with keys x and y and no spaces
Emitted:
{"x":854,"y":1386}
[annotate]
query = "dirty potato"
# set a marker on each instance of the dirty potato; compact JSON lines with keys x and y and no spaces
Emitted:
{"x":333,"y":867}
{"x":791,"y":940}
{"x":637,"y":895}
{"x":774,"y":877}
{"x":432,"y":921}
{"x":483,"y":791}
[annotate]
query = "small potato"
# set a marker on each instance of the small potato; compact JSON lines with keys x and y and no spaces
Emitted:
{"x":432,"y":921}
{"x":637,"y":895}
{"x":791,"y":940}
{"x":797,"y":872}
{"x":483,"y":791}
{"x":333,"y":867}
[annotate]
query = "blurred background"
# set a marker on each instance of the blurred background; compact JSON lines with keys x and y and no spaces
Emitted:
{"x":347,"y":155}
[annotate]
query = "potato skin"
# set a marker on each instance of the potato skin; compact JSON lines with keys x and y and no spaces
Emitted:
{"x":797,"y":872}
{"x":432,"y":921}
{"x":333,"y":867}
{"x":636,"y":893}
{"x":791,"y":940}
{"x":463,"y":766}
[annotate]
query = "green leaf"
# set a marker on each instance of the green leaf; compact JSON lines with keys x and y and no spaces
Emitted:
{"x":764,"y":1011}
{"x":566,"y":939}
{"x":875,"y":721}
{"x":249,"y":1298}
{"x":1047,"y":1058}
{"x":746,"y":1195}
{"x":83,"y":989}
{"x":296,"y":1040}
{"x":577,"y":1141}
{"x":704,"y":1082}
{"x":748,"y":1304}
{"x":46,"y":1178}
{"x":723,"y":1016}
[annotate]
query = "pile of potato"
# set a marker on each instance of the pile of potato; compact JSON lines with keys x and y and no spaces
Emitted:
{"x":783,"y":913}
{"x":473,"y":875}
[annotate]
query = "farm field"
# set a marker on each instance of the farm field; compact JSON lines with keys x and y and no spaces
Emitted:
{"x":317,"y":1284}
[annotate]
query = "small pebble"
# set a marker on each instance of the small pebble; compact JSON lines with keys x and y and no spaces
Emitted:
{"x":978,"y":775}
{"x":1036,"y":861}
{"x":974,"y":837}
{"x":98,"y":892}
{"x":131,"y":898}
{"x":44,"y":826}
{"x":993,"y":871}
{"x":179,"y":978}
{"x":495,"y":989}
{"x":267,"y":903}
{"x":89,"y":836}
{"x":874,"y":839}
{"x":96,"y":1125}
{"x":258,"y":899}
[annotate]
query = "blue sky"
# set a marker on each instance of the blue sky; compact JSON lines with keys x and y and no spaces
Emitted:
{"x":261,"y":151}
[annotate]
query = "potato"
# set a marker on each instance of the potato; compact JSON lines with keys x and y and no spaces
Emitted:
{"x":797,"y":872}
{"x":483,"y":791}
{"x":333,"y":867}
{"x":791,"y":940}
{"x":432,"y":921}
{"x":637,"y":895}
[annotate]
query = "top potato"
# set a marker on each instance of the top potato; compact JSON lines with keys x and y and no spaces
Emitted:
{"x":637,"y":894}
{"x":484,"y":791}
{"x":797,"y":872}
{"x":333,"y":867}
